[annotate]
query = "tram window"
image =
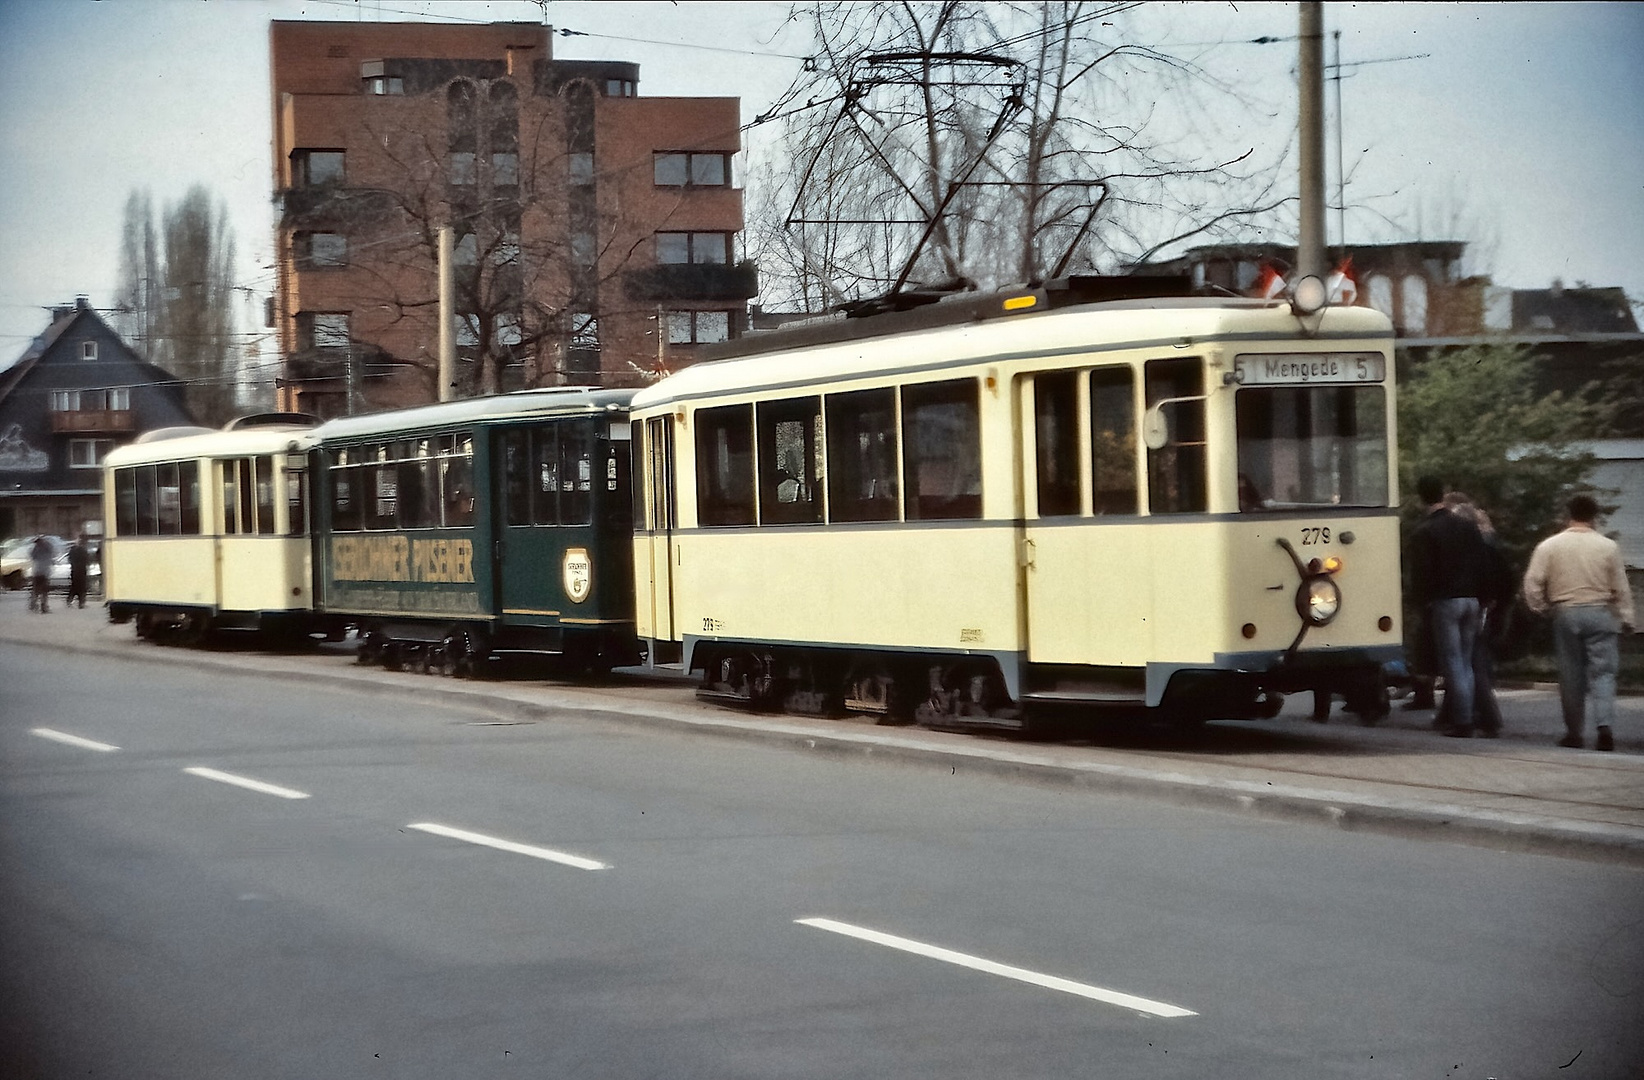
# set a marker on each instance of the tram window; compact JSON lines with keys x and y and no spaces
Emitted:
{"x":382,"y":491}
{"x":188,"y":486}
{"x":724,"y":465}
{"x":345,"y":487}
{"x":1176,"y":472}
{"x":790,"y":465}
{"x":1113,"y":441}
{"x":296,"y":502}
{"x":125,"y":502}
{"x":1056,"y":441}
{"x":414,"y":477}
{"x":862,"y":484}
{"x":576,"y":472}
{"x":231,"y":497}
{"x":459,"y":483}
{"x":1305,"y":446}
{"x":545,"y":476}
{"x":516,"y":477}
{"x":248,"y":498}
{"x":169,"y":504}
{"x":265,"y":496}
{"x":942,"y":450}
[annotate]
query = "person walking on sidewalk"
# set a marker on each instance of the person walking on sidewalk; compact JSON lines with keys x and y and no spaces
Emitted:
{"x":41,"y":556}
{"x":1496,"y":590}
{"x":79,"y":560}
{"x":1447,"y":558}
{"x":1577,"y":576}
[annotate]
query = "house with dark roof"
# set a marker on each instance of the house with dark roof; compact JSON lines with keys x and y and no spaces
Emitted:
{"x":77,"y":392}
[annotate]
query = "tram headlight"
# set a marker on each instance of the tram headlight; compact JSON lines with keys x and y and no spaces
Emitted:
{"x":1318,"y":600}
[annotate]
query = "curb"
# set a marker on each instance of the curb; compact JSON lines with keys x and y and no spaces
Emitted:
{"x":1356,"y":812}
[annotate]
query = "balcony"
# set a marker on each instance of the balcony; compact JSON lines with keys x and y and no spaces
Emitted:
{"x":333,"y":207}
{"x":693,"y":281}
{"x":93,"y":421}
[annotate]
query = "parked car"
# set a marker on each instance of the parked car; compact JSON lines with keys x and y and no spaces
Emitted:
{"x":15,"y":565}
{"x":15,"y":560}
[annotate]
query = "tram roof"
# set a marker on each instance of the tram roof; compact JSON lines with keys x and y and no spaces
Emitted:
{"x":521,"y":404}
{"x":917,"y":341}
{"x":181,"y":444}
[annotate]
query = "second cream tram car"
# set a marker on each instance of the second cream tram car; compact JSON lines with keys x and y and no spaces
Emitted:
{"x":210,"y":530}
{"x":1013,"y":507}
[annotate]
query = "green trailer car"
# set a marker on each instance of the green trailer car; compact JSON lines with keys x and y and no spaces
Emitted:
{"x":449,"y":534}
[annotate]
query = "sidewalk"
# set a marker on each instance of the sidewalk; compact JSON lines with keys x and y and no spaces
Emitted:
{"x":1519,"y":792}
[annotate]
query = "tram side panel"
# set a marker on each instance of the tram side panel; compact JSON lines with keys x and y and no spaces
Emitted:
{"x":419,"y":580}
{"x":932,"y":590}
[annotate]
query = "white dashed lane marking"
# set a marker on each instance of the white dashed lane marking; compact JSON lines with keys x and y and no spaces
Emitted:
{"x":245,"y":782}
{"x":509,"y":845}
{"x":976,"y":963}
{"x":72,"y":740}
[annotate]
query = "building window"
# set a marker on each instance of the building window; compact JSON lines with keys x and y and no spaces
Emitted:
{"x":385,"y":85}
{"x":678,"y":169}
{"x":581,"y":166}
{"x":324,"y":330}
{"x":321,"y":249}
{"x":693,"y":247}
{"x":584,"y":248}
{"x":65,"y":401}
{"x":88,"y":453}
{"x":698,"y":327}
{"x":584,"y":330}
{"x":462,"y":167}
{"x":88,"y":350}
{"x":317,"y":168}
{"x":620,"y":88}
{"x":505,"y":169}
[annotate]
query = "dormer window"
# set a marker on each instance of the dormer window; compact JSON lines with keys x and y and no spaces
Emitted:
{"x":88,"y":350}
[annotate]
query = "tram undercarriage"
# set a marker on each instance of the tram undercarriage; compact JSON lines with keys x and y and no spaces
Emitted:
{"x":969,"y":693}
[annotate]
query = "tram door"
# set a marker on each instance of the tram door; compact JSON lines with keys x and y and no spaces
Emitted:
{"x":659,"y":522}
{"x":528,"y":556}
{"x":1086,"y":569}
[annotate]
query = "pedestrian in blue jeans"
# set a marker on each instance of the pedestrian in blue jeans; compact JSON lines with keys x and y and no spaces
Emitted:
{"x":1447,"y":557}
{"x":1577,"y":576}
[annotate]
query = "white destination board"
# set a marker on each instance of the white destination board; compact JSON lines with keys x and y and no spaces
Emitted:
{"x":1267,"y":369}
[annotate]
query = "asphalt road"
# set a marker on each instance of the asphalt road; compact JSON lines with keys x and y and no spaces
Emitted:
{"x":422,"y":891}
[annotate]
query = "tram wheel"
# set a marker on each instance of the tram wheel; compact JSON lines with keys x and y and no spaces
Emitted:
{"x":193,"y":630}
{"x":370,"y":648}
{"x":872,"y":690}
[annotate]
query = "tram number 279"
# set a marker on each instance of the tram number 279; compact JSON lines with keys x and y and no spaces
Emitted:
{"x":1312,"y":537}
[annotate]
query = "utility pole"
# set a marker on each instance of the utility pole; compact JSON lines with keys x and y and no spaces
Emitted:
{"x":447,"y":370}
{"x":1310,"y":257}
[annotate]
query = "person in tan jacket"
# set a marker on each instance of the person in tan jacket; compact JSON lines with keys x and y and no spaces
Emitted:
{"x":1577,"y":577}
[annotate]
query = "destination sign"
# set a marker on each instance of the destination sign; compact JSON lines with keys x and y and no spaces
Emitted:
{"x":1267,"y":369}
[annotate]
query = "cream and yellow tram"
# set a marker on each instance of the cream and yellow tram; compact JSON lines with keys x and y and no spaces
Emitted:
{"x":1003,"y":509}
{"x":209,"y":530}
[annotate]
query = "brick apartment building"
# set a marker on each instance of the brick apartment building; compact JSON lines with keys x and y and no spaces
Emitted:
{"x":596,"y":233}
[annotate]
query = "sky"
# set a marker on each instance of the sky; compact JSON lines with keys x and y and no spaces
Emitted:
{"x":1516,"y":127}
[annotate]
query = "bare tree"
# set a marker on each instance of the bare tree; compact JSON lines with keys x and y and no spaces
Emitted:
{"x":176,"y":295}
{"x":942,"y":144}
{"x":138,"y":301}
{"x":536,"y":239}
